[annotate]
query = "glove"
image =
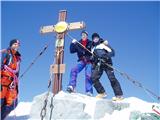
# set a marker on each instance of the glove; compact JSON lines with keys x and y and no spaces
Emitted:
{"x":74,"y":41}
{"x":105,"y":42}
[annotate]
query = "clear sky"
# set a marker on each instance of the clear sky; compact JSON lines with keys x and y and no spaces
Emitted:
{"x":130,"y":27}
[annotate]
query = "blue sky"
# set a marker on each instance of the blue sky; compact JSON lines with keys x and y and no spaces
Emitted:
{"x":130,"y":27}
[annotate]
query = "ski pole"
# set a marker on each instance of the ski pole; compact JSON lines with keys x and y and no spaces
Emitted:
{"x":36,"y":58}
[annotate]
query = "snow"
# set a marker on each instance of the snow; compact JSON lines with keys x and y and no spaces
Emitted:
{"x":22,"y":111}
{"x":135,"y":105}
{"x":88,"y":108}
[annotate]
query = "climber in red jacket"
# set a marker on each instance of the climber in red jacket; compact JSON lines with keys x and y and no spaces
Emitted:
{"x":10,"y":63}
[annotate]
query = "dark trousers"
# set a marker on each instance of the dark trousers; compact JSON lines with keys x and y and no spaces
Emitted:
{"x":5,"y":109}
{"x":97,"y":72}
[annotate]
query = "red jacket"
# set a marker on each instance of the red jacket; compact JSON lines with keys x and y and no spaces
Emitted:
{"x":10,"y":59}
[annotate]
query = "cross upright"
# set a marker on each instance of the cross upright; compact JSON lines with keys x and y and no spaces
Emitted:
{"x":61,"y":28}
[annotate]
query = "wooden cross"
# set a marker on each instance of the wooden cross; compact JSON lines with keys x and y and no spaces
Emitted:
{"x":60,"y":29}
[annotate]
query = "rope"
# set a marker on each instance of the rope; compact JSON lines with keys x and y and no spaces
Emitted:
{"x":44,"y":110}
{"x":125,"y":75}
{"x":51,"y":106}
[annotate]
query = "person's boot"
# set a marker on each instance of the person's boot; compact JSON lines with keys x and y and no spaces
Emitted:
{"x":70,"y":89}
{"x":118,"y":98}
{"x":89,"y":94}
{"x":101,"y":95}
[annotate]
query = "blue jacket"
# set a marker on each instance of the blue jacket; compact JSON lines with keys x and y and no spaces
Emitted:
{"x":81,"y":52}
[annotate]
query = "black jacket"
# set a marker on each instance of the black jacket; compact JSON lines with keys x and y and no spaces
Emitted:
{"x":81,"y":52}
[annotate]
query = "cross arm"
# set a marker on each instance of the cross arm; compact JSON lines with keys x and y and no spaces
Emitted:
{"x":76,"y":25}
{"x":47,"y":29}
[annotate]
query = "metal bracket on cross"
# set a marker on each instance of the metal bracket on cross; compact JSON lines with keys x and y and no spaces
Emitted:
{"x":57,"y":68}
{"x":59,"y":43}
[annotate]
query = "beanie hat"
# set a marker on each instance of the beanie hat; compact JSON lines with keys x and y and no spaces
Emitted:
{"x":95,"y":35}
{"x":13,"y":41}
{"x":84,"y":31}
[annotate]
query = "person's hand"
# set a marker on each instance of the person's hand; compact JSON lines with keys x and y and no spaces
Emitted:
{"x":105,"y":42}
{"x":74,"y":41}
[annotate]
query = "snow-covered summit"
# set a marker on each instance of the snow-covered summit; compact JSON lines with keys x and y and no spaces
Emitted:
{"x":79,"y":106}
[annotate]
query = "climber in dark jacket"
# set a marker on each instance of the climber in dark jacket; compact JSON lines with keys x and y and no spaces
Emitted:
{"x":83,"y":62}
{"x":102,"y":56}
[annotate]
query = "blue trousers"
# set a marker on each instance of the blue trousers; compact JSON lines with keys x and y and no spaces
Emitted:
{"x":77,"y":69}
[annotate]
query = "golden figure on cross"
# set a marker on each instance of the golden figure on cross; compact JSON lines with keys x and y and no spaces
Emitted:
{"x":61,"y":28}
